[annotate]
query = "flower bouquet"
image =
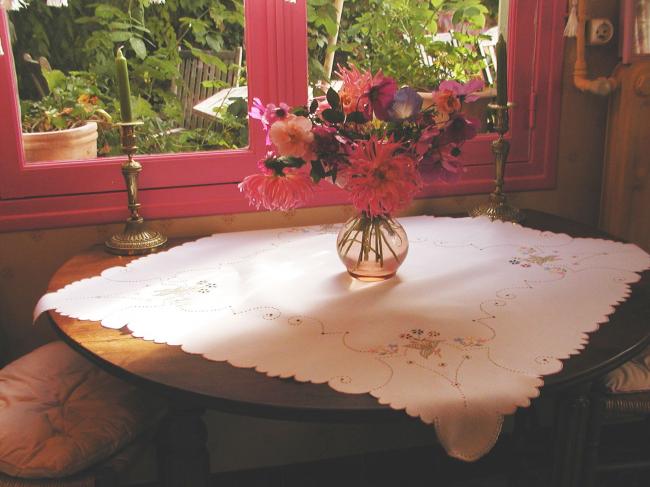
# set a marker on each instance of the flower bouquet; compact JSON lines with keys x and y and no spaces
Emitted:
{"x":374,"y":140}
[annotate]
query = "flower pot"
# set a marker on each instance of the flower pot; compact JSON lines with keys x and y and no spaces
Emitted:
{"x":62,"y":145}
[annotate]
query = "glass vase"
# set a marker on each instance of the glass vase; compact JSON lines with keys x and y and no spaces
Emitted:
{"x":372,"y":248}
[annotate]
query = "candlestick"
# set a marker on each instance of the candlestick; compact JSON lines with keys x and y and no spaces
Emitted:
{"x":498,"y":208}
{"x":123,"y":86}
{"x":135,"y":239}
{"x":502,"y":72}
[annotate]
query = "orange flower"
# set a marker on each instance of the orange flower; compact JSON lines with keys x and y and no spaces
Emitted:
{"x":293,"y":136}
{"x":446,"y":101}
{"x":355,"y":86}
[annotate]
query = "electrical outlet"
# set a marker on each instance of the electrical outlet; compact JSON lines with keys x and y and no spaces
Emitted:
{"x":600,"y":31}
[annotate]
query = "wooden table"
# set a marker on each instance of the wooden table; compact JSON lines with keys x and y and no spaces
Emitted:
{"x":193,"y":383}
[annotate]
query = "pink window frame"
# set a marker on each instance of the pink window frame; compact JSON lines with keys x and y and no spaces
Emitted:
{"x":44,"y":195}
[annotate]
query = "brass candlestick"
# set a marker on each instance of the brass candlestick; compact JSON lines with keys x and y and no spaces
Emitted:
{"x":498,"y":208}
{"x":135,"y":239}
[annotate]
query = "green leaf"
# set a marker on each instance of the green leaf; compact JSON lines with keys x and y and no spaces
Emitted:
{"x":138,"y":46}
{"x":210,"y":59}
{"x":333,"y":98}
{"x":313,"y":107}
{"x":238,"y":108}
{"x":55,"y":78}
{"x":120,"y":36}
{"x":300,"y":111}
{"x":333,"y":116}
{"x":317,"y":171}
{"x":356,"y":117}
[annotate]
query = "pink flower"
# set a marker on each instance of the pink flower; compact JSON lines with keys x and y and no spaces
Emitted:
{"x":293,"y":136}
{"x":379,"y":180}
{"x":381,"y":93}
{"x":268,"y":114}
{"x":274,"y":191}
{"x":444,"y":165}
{"x":355,"y":86}
{"x":463,"y":91}
{"x":426,"y":140}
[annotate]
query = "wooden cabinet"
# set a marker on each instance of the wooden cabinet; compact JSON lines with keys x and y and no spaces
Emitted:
{"x":625,"y":203}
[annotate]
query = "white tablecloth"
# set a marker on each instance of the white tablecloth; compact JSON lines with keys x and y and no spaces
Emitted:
{"x":477,"y":314}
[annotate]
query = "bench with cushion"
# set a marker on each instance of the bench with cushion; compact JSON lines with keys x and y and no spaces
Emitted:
{"x":66,"y":422}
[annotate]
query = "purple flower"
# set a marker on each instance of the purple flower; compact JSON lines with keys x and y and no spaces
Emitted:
{"x":464,"y":91}
{"x":380,"y":94}
{"x":459,"y":129}
{"x":406,"y":104}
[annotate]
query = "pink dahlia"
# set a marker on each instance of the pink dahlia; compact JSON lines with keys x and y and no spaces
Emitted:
{"x":380,"y":180}
{"x":273,"y":191}
{"x":293,"y":136}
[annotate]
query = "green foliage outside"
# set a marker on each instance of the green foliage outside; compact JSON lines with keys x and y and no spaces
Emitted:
{"x":395,"y":36}
{"x":82,"y":38}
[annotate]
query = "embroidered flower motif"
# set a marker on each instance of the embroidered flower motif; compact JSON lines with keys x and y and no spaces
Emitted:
{"x":383,"y":351}
{"x":418,"y":340}
{"x":514,"y":261}
{"x":470,"y":341}
{"x":542,"y":259}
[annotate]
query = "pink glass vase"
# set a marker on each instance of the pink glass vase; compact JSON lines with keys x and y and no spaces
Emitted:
{"x":372,"y":248}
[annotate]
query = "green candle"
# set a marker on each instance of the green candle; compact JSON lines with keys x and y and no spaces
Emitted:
{"x":502,"y":72}
{"x":123,"y":86}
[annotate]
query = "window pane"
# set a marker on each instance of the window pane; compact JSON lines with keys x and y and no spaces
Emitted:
{"x":642,"y":27}
{"x":187,"y":71}
{"x":419,"y":43}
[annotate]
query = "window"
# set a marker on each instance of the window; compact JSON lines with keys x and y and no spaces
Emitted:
{"x":48,"y":194}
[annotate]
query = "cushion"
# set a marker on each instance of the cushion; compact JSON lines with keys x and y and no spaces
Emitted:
{"x":632,"y":376}
{"x":60,"y":414}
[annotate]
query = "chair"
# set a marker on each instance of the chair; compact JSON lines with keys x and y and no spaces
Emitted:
{"x":66,"y":423}
{"x":194,"y":72}
{"x":624,"y":394}
{"x":487,"y":48}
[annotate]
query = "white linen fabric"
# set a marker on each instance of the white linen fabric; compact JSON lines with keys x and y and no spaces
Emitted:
{"x":478,"y":312}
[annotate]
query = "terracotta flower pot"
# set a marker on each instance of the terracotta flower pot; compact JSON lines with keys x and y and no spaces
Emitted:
{"x":62,"y":145}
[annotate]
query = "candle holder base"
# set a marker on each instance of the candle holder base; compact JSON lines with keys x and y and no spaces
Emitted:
{"x":135,"y":239}
{"x":498,"y":209}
